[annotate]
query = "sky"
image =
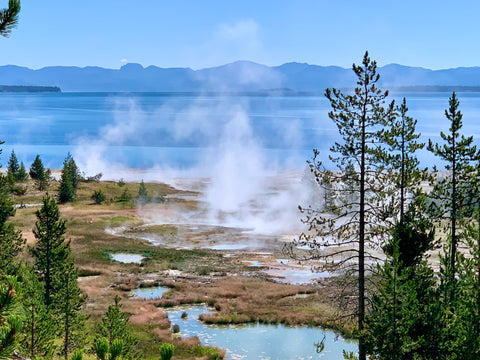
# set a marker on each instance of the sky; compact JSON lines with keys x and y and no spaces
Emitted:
{"x":434,"y":34}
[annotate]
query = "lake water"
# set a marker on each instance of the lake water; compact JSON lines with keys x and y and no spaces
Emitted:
{"x":178,"y":131}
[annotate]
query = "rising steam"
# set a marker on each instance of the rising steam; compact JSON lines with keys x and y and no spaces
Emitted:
{"x":243,"y":187}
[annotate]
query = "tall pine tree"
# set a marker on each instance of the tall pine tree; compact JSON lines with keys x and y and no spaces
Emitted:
{"x":402,"y":139}
{"x":403,"y":322}
{"x":66,"y":191}
{"x":11,"y":324}
{"x":362,"y":220}
{"x":39,"y":325}
{"x":69,"y":301}
{"x":10,"y":315}
{"x":450,"y":193}
{"x":51,"y":250}
{"x":142,"y":193}
{"x":11,"y":241}
{"x":13,"y":167}
{"x":22,"y":173}
{"x":69,"y":180}
{"x":38,"y":173}
{"x":74,"y":172}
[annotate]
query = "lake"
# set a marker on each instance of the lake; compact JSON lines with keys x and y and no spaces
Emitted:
{"x":190,"y":132}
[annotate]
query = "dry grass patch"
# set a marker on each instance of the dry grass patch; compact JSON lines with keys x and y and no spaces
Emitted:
{"x":245,"y":299}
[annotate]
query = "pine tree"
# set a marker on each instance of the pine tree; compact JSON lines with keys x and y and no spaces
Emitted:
{"x":13,"y":168}
{"x":413,"y":236}
{"x":98,"y":196}
{"x":22,"y":173}
{"x":473,"y":264}
{"x":69,"y":180}
{"x":461,"y":335}
{"x":69,"y":301}
{"x":39,"y":174}
{"x":39,"y":326}
{"x":9,"y":17}
{"x":404,"y":320}
{"x":16,"y":172}
{"x":125,"y":197}
{"x":115,"y":326}
{"x":350,"y":186}
{"x":101,"y":348}
{"x":451,"y":296}
{"x":10,"y":181}
{"x":142,"y":192}
{"x":328,"y":191}
{"x":66,"y":191}
{"x":51,"y":249}
{"x":37,"y":170}
{"x":363,"y":220}
{"x":71,"y":167}
{"x":11,"y":323}
{"x":402,"y":140}
{"x":464,"y":327}
{"x":11,"y":241}
{"x":77,"y":354}
{"x":104,"y":351}
{"x":449,"y":195}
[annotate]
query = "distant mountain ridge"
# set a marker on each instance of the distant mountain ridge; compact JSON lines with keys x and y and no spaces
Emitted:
{"x":237,"y":76}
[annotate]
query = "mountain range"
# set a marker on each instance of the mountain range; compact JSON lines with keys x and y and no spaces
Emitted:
{"x":240,"y":76}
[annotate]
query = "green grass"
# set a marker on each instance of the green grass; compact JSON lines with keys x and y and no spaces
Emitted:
{"x":197,"y":351}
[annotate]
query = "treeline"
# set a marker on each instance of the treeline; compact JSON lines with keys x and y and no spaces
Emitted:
{"x":17,"y":176}
{"x":29,"y":89}
{"x":382,"y":217}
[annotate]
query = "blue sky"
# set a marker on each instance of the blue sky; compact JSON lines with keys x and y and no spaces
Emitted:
{"x":203,"y":33}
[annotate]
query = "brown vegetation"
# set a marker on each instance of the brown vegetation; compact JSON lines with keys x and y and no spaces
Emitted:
{"x":237,"y":292}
